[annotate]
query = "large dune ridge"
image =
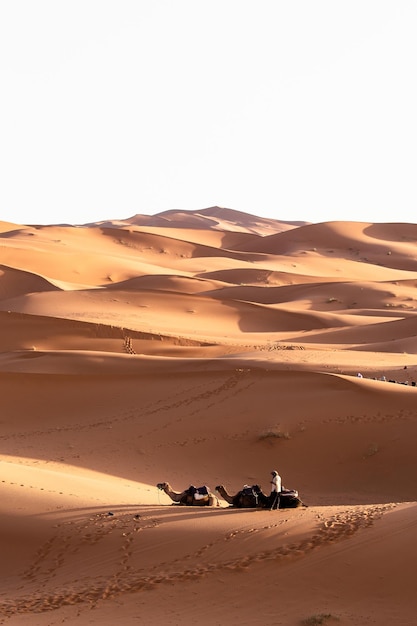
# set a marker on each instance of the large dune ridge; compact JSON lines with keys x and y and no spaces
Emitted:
{"x":204,"y":348}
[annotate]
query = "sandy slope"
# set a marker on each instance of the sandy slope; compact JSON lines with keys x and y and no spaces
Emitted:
{"x":204,"y":348}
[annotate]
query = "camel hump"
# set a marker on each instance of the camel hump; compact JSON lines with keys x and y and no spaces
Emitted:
{"x":248,"y":490}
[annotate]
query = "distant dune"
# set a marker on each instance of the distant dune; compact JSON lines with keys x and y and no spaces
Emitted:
{"x":205,"y":348}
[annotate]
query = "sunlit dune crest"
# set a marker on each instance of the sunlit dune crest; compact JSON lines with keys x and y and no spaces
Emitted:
{"x":208,"y":348}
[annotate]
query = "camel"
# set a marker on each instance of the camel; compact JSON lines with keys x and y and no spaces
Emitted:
{"x":289,"y":499}
{"x":253,"y":497}
{"x":247,"y":498}
{"x":192,"y":496}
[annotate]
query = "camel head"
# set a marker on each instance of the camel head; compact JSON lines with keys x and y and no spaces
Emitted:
{"x":162,"y":486}
{"x":219,"y":487}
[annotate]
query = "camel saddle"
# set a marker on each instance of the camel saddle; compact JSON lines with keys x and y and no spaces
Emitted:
{"x":198,"y":493}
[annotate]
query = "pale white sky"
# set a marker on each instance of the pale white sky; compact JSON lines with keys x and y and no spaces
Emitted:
{"x":289,"y":109}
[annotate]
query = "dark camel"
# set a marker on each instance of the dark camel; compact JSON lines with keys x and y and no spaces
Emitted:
{"x":253,"y":498}
{"x":250,"y":497}
{"x":188,"y":496}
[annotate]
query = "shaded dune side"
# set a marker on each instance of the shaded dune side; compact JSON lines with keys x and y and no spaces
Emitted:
{"x":162,"y":245}
{"x":386,"y":333}
{"x":14,"y":282}
{"x":170,"y":282}
{"x":384,"y":244}
{"x":158,"y":311}
{"x":176,"y":419}
{"x":341,"y":295}
{"x":20,"y":331}
{"x":260,"y":276}
{"x":212,"y":238}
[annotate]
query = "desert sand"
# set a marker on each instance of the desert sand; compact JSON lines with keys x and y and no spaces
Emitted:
{"x":204,"y":348}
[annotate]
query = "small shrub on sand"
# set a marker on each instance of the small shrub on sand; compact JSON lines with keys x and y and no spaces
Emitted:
{"x":317,"y":620}
{"x":274,"y":433}
{"x":372,"y":449}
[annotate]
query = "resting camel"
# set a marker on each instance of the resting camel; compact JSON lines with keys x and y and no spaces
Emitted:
{"x":253,"y":497}
{"x":201,"y":496}
{"x":247,"y":498}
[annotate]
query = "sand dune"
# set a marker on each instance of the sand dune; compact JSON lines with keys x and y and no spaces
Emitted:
{"x":214,"y":218}
{"x":207,"y":347}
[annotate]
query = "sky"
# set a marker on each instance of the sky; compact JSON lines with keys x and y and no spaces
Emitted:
{"x":292,"y":110}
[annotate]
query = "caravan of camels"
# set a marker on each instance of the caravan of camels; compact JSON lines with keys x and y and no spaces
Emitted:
{"x":249,"y":497}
